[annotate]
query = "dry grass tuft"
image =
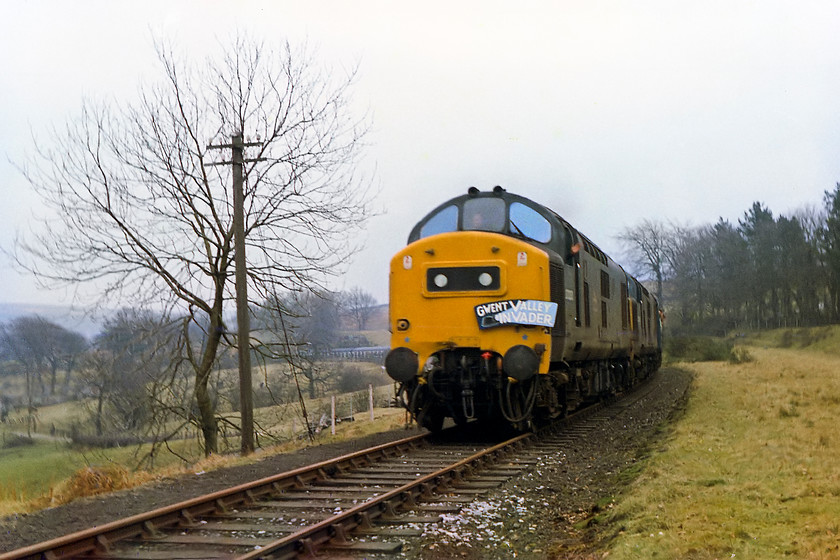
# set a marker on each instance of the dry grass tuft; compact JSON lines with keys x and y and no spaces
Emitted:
{"x":94,"y":480}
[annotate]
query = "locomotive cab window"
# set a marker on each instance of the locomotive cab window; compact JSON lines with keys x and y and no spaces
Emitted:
{"x":484,"y":214}
{"x":444,"y":221}
{"x":525,"y":221}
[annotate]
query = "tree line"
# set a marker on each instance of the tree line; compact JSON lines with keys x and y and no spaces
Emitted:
{"x":135,"y":380}
{"x":763,"y":272}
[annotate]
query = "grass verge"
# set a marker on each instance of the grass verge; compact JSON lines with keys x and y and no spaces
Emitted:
{"x":750,"y":470}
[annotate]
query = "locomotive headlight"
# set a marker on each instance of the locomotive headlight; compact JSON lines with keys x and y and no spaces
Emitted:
{"x":463,"y":278}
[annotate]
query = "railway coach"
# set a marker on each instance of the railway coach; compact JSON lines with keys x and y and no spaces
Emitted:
{"x":501,"y":310}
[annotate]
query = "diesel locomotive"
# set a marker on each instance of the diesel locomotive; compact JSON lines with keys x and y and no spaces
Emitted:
{"x":501,"y":310}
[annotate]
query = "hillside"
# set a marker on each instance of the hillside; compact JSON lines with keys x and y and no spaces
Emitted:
{"x":78,"y":320}
{"x":89,"y":325}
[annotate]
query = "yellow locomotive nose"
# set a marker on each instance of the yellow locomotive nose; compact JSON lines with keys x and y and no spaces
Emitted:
{"x":470,"y":289}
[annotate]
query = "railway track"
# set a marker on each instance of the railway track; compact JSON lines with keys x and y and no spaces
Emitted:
{"x":360,"y":504}
{"x":301,"y":511}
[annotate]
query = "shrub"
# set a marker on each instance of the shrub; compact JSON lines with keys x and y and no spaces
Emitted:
{"x":740,"y":355}
{"x":698,"y":348}
{"x":352,"y":378}
{"x":786,"y":340}
{"x":16,"y":440}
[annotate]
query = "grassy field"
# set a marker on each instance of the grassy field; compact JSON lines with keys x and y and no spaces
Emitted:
{"x":751,"y":470}
{"x":47,"y":471}
{"x":28,"y":472}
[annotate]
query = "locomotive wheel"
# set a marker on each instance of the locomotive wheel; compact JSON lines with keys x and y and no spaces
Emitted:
{"x":460,"y":419}
{"x":551,"y":400}
{"x":431,"y":419}
{"x":422,"y":407}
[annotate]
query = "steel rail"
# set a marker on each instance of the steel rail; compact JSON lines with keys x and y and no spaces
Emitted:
{"x":385,"y":505}
{"x":100,"y":538}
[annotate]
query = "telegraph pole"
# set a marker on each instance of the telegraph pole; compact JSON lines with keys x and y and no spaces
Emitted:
{"x":243,"y":319}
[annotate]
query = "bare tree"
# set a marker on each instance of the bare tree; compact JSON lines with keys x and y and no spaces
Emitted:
{"x":62,"y":347}
{"x":40,"y":347}
{"x":359,"y":306}
{"x":72,"y":347}
{"x":23,"y":344}
{"x":311,"y":322}
{"x":688,"y":275}
{"x":98,"y":380}
{"x":141,"y":210}
{"x":650,"y":245}
{"x":131,"y":376}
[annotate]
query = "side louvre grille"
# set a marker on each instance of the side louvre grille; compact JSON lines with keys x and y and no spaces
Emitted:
{"x":558,"y":296}
{"x":556,"y":282}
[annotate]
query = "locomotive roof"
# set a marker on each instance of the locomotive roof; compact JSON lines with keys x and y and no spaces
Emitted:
{"x":472,"y":193}
{"x":498,"y":192}
{"x":455,"y":222}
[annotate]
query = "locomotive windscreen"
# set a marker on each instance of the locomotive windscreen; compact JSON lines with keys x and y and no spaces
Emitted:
{"x":484,"y":214}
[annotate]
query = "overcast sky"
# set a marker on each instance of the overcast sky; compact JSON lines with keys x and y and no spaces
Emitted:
{"x":608,"y":112}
